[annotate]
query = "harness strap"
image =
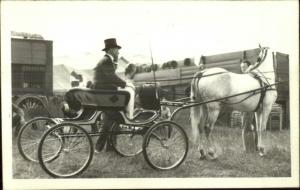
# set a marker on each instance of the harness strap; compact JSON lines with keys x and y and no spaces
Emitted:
{"x":265,"y":52}
{"x":261,"y":58}
{"x":262,"y":91}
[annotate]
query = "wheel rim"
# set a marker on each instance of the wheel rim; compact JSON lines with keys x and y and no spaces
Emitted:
{"x":30,"y":135}
{"x":74,"y":155}
{"x":165,"y":145}
{"x":127,"y":140}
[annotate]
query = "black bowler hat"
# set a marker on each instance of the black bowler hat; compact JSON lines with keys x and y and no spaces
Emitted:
{"x":111,"y":43}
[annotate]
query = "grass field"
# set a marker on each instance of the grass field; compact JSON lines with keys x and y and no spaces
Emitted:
{"x":232,"y":160}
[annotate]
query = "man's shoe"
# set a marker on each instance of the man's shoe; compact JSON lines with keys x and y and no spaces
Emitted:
{"x":100,"y":145}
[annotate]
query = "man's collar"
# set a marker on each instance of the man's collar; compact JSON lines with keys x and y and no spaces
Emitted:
{"x":111,"y":57}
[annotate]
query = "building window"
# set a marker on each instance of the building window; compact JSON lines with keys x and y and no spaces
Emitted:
{"x":16,"y":76}
{"x":28,"y":76}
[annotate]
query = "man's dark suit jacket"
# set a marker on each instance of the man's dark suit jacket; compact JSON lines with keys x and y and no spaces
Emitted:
{"x":105,"y":76}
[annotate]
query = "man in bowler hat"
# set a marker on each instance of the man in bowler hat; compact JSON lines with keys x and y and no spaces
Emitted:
{"x":105,"y":78}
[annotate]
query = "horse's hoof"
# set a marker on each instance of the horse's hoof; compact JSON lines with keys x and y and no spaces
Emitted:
{"x":212,"y":156}
{"x":261,"y":154}
{"x":261,"y":151}
{"x":202,"y":157}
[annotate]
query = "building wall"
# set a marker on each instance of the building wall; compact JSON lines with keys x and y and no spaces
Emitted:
{"x":32,"y":66}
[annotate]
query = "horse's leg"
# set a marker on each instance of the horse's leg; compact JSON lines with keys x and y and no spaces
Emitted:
{"x":197,"y":122}
{"x":255,"y":132}
{"x":249,"y":135}
{"x":212,"y":118}
{"x":201,"y":127}
{"x":264,"y":119}
{"x":259,"y":128}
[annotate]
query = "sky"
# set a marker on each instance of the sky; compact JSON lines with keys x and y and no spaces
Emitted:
{"x":171,"y":30}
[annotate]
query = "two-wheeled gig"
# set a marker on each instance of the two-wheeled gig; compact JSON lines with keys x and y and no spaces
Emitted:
{"x":65,"y":147}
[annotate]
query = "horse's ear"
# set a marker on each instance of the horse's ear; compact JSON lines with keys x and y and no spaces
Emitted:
{"x":259,"y":46}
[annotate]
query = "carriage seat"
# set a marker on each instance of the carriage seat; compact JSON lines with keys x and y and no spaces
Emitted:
{"x":100,"y":99}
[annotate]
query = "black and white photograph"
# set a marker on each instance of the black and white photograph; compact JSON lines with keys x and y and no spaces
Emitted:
{"x":150,"y":94}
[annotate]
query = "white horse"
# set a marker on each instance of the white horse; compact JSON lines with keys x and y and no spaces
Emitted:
{"x":221,"y":83}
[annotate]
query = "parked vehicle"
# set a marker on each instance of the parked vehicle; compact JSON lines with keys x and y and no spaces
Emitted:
{"x":32,"y":73}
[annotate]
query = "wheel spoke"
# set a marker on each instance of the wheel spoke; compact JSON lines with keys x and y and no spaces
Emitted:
{"x":28,"y":145}
{"x":126,"y":144}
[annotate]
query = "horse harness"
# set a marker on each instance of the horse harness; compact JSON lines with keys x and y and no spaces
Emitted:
{"x":263,"y":89}
{"x":264,"y":86}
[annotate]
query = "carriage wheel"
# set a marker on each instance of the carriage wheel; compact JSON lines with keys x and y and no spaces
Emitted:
{"x":165,"y":145}
{"x":32,"y":107}
{"x":30,"y":135}
{"x":76,"y":152}
{"x":127,"y":140}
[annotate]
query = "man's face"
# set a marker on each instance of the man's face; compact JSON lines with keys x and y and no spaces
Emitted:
{"x":115,"y":53}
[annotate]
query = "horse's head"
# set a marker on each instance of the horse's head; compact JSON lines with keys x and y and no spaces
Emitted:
{"x":264,"y":66}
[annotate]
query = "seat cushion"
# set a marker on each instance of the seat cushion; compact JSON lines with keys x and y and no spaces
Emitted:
{"x":100,"y":99}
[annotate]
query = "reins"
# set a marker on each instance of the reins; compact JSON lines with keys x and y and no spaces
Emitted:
{"x":253,"y":93}
{"x":196,"y":103}
{"x":188,"y":78}
{"x":185,"y":78}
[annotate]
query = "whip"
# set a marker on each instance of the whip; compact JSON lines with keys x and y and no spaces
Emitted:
{"x":152,"y":66}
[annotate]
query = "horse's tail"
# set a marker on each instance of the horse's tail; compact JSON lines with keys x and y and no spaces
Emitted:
{"x":197,"y":115}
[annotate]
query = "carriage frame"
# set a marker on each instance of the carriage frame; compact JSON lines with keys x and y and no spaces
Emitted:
{"x":164,"y":144}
